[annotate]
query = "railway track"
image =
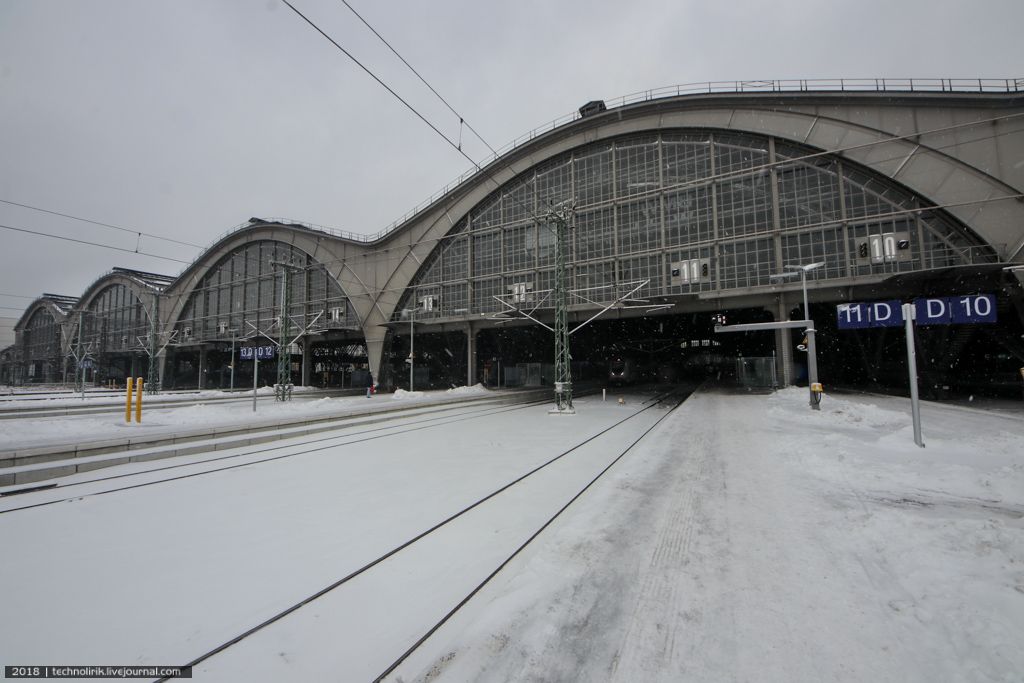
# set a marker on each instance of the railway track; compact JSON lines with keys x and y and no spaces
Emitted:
{"x":672,"y":399}
{"x":250,"y":456}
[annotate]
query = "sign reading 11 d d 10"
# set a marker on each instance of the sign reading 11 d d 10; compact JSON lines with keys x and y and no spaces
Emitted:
{"x":945,"y":310}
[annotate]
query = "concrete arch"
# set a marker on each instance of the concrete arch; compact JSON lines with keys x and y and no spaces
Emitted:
{"x":954,"y":150}
{"x":143,"y":292}
{"x":60,"y":315}
{"x":966,"y":160}
{"x":59,"y":309}
{"x":320,"y":246}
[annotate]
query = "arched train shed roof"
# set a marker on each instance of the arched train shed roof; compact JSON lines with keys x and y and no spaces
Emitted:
{"x":957,"y":150}
{"x":57,"y":305}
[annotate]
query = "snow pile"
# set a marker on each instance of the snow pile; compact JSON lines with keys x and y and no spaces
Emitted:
{"x":476,"y":389}
{"x":403,"y":395}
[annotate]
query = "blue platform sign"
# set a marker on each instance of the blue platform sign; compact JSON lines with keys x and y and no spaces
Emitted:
{"x":257,"y":352}
{"x":943,"y":310}
{"x":874,"y":314}
{"x":956,"y":310}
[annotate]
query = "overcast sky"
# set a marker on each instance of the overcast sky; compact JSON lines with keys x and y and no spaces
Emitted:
{"x":183,"y":118}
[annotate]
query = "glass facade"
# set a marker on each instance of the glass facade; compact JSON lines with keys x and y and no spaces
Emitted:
{"x":114,"y":322}
{"x":688,"y":212}
{"x":242,"y":292}
{"x":42,"y":338}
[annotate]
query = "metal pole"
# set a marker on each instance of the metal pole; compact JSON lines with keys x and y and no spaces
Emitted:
{"x":412,"y":339}
{"x":812,"y":350}
{"x":232,"y":360}
{"x":803,"y":282}
{"x":812,"y":368}
{"x":255,"y":375}
{"x":909,"y":315}
{"x":81,"y":365}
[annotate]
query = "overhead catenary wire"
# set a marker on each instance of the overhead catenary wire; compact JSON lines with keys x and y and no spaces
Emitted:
{"x":455,"y":145}
{"x":384,"y":85}
{"x":462,"y":119}
{"x":100,"y":223}
{"x":92,"y":244}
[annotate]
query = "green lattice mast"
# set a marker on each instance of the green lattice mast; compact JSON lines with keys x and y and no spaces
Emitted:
{"x":153,"y":376}
{"x":282,"y":390}
{"x":560,"y":218}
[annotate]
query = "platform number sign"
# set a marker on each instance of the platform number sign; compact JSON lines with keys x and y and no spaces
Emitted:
{"x":257,"y":352}
{"x":945,"y":310}
{"x":979,"y":308}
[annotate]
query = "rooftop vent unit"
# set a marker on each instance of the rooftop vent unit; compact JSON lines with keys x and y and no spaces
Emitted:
{"x":592,"y":107}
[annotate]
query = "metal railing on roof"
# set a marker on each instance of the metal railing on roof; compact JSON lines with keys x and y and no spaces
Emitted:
{"x":852,"y":85}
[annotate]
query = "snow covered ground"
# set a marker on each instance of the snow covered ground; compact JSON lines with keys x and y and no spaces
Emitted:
{"x":755,"y":540}
{"x":746,"y":539}
{"x":28,"y":432}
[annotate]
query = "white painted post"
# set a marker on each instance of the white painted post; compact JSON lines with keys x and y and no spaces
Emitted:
{"x":255,"y":375}
{"x":909,"y":315}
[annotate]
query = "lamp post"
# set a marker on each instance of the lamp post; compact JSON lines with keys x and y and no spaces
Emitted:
{"x":812,"y":352}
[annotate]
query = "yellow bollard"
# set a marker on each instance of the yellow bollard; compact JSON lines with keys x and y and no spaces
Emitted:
{"x":138,"y":400}
{"x":128,"y":402}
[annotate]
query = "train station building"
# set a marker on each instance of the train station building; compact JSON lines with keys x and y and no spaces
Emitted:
{"x":686,"y":202}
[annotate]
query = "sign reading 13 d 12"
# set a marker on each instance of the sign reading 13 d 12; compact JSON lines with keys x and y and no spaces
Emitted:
{"x":256,"y":352}
{"x":945,"y":310}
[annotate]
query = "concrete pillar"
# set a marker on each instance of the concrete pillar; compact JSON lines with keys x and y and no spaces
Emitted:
{"x":307,"y":361}
{"x":375,"y":349}
{"x":470,"y":355}
{"x":783,"y":347}
{"x":202,"y":367}
{"x":161,"y":364}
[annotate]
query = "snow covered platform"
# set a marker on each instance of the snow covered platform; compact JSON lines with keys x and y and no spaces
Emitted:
{"x":744,"y":538}
{"x":37,"y":449}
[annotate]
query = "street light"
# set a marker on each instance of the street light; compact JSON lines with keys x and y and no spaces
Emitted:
{"x":803,"y":270}
{"x":814,"y":388}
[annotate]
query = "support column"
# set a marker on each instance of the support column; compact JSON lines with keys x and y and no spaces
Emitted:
{"x":307,"y":361}
{"x":471,"y":376}
{"x":783,"y":347}
{"x":375,"y":349}
{"x":161,"y":364}
{"x":202,"y":367}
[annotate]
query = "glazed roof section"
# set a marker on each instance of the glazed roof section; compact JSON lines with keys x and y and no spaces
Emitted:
{"x":926,"y":86}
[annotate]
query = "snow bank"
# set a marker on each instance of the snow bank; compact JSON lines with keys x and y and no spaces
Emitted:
{"x":475,"y":389}
{"x":403,"y":395}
